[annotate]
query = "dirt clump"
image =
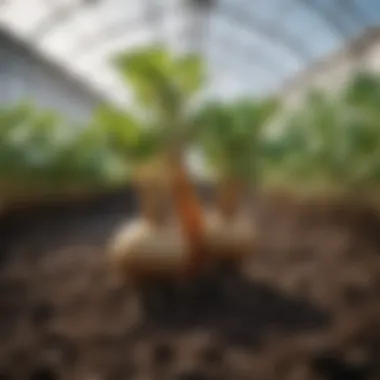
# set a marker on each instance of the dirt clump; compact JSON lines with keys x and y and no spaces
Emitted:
{"x":306,"y":305}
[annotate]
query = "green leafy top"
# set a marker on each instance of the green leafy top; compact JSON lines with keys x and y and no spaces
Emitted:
{"x":38,"y":148}
{"x":164,"y":86}
{"x":332,"y":139}
{"x":230,"y":134}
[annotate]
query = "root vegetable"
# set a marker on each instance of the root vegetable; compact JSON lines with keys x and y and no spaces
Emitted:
{"x":230,"y":231}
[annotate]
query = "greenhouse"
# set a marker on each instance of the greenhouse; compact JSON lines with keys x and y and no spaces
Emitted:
{"x":189,"y":189}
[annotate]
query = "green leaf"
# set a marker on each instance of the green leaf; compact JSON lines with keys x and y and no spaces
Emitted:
{"x":230,"y":136}
{"x":120,"y":128}
{"x":163,"y":85}
{"x":190,"y":74}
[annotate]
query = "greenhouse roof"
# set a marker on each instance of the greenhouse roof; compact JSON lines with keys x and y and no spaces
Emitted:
{"x":80,"y":84}
{"x":252,"y":46}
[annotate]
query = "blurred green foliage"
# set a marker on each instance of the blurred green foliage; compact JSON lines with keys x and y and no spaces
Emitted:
{"x":38,"y":149}
{"x":164,"y":87}
{"x":230,"y":135}
{"x":331,"y":139}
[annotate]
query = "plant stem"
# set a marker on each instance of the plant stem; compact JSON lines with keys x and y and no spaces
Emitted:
{"x":228,"y":197}
{"x":150,"y":188}
{"x":189,"y":211}
{"x":149,"y":202}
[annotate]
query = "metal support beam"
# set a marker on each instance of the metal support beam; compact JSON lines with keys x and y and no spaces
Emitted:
{"x":245,"y":55}
{"x":151,"y":19}
{"x":96,"y":41}
{"x":3,"y":4}
{"x":197,"y":29}
{"x":245,"y":90}
{"x":330,"y":18}
{"x":356,"y":13}
{"x":247,"y":74}
{"x":57,"y":17}
{"x":154,"y":17}
{"x":90,"y":44}
{"x":244,"y":18}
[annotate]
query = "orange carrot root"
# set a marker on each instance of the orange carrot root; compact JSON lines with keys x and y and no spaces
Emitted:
{"x":190,"y":213}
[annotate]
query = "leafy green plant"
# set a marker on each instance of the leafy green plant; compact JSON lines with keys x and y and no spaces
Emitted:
{"x":39,"y":150}
{"x":230,"y":136}
{"x":332,"y":140}
{"x":164,"y":86}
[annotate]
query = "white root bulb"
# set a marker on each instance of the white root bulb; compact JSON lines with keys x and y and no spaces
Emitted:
{"x":229,"y":238}
{"x":141,"y":250}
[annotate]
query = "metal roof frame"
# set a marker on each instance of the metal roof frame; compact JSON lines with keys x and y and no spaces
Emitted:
{"x":58,"y":69}
{"x":152,"y":18}
{"x":243,"y":17}
{"x":246,"y":19}
{"x":364,"y":40}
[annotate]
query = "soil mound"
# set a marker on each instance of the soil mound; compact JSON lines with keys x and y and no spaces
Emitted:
{"x":306,"y":306}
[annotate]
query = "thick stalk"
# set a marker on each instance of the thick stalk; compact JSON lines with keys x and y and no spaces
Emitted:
{"x":229,"y":197}
{"x":189,"y":212}
{"x":148,"y":203}
{"x":150,"y":185}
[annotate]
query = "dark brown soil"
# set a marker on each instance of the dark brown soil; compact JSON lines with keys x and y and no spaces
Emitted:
{"x":306,"y":305}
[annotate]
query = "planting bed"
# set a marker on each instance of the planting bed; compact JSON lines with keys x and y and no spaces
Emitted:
{"x":306,"y":306}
